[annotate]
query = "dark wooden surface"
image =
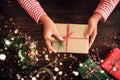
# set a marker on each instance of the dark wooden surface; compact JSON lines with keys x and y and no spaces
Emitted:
{"x":64,"y":11}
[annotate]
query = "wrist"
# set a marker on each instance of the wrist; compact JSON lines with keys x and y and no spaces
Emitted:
{"x":97,"y":17}
{"x":44,"y":19}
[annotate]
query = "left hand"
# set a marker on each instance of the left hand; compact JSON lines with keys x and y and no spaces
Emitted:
{"x":92,"y":30}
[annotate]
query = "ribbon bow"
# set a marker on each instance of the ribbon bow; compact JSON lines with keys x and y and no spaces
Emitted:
{"x":92,"y":71}
{"x":68,"y":36}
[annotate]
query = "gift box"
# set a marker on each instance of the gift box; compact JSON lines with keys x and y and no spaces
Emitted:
{"x":89,"y":70}
{"x":74,"y":38}
{"x":112,"y":63}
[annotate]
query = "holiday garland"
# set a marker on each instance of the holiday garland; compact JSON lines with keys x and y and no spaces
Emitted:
{"x":23,"y":52}
{"x":18,"y":53}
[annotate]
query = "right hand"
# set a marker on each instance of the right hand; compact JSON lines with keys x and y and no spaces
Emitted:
{"x":50,"y":30}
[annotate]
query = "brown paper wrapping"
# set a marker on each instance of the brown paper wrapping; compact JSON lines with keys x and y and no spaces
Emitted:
{"x":74,"y":38}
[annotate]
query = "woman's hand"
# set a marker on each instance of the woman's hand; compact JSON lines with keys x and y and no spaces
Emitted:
{"x":50,"y":30}
{"x":92,"y":30}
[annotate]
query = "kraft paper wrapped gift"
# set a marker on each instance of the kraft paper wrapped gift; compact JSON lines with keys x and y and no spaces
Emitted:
{"x":112,"y":63}
{"x":91,"y":71}
{"x":74,"y":38}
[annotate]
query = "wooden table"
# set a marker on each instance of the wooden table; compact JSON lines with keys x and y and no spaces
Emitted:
{"x":62,"y":11}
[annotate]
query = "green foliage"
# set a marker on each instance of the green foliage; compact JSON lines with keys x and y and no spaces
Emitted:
{"x":58,"y":45}
{"x":17,"y":59}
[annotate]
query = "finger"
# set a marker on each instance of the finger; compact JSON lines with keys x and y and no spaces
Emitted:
{"x":89,"y":31}
{"x":57,"y":34}
{"x":50,"y":48}
{"x":92,"y":39}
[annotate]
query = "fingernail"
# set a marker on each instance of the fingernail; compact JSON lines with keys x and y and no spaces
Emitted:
{"x":61,"y":39}
{"x":55,"y":51}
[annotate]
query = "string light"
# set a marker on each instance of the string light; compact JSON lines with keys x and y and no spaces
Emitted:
{"x":101,"y":61}
{"x":2,"y":57}
{"x":22,"y":79}
{"x":56,"y":69}
{"x":54,"y":77}
{"x":75,"y":73}
{"x":18,"y":76}
{"x":34,"y":78}
{"x":80,"y":64}
{"x":101,"y":71}
{"x":47,"y":57}
{"x":16,"y":31}
{"x":37,"y":75}
{"x":60,"y":72}
{"x":7,"y":42}
{"x":60,"y":63}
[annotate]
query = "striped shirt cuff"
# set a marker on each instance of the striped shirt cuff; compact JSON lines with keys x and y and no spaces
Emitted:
{"x":33,"y":8}
{"x":105,"y":7}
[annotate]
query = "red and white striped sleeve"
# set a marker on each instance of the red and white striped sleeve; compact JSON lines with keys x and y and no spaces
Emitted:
{"x":33,"y":8}
{"x":105,"y":7}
